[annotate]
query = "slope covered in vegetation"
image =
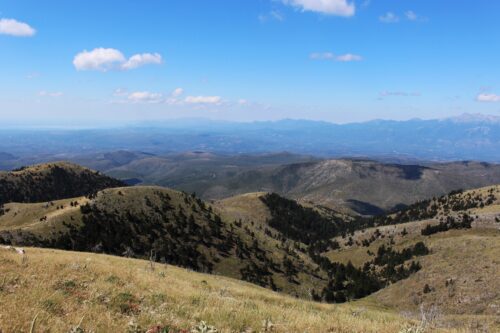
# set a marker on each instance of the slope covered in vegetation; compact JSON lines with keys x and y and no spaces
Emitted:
{"x":165,"y":226}
{"x":53,"y":181}
{"x":284,"y":252}
{"x":458,"y":275}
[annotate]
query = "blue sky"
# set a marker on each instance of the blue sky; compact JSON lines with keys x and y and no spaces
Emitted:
{"x":95,"y":62}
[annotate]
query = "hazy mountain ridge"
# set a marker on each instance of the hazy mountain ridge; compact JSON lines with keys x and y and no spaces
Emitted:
{"x":470,"y":137}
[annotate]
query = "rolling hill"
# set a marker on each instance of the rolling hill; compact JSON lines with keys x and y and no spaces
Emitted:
{"x":350,"y":185}
{"x":168,"y":226}
{"x":52,"y":181}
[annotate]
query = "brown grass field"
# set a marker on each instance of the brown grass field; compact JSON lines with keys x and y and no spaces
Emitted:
{"x":112,"y":294}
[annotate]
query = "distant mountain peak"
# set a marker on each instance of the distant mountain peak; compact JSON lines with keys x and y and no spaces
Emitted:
{"x":475,"y":118}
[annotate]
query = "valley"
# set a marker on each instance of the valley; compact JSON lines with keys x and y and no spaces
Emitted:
{"x":353,"y":186}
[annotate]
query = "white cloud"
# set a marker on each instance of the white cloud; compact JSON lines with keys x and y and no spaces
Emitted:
{"x":491,"y":98}
{"x":100,"y":59}
{"x":203,"y":99}
{"x":15,"y":28}
{"x":173,"y":98}
{"x":44,"y":93}
{"x":389,"y":17}
{"x":329,"y":7}
{"x":145,"y":97}
{"x":348,"y":57}
{"x":105,"y":59}
{"x":139,"y":60}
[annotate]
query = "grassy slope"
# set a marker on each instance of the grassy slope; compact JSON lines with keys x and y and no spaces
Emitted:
{"x":247,"y":207}
{"x":28,"y":215}
{"x":251,"y":211}
{"x":119,"y":201}
{"x":108,"y":292}
{"x":468,"y":257}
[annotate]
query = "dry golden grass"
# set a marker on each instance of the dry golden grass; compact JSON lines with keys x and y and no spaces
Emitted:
{"x":28,"y":215}
{"x":462,"y":270}
{"x":247,"y":207}
{"x":110,"y":292}
{"x":484,"y":218}
{"x":469,"y":260}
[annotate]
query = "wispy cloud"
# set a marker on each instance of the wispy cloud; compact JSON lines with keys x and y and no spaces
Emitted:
{"x":105,"y":59}
{"x":145,"y":97}
{"x":273,"y":15}
{"x":414,"y":17}
{"x":488,"y":98}
{"x":389,"y":17}
{"x":15,"y":28}
{"x":203,"y":100}
{"x":328,"y":7}
{"x":44,"y":93}
{"x":173,"y":98}
{"x":409,"y":15}
{"x":348,"y":57}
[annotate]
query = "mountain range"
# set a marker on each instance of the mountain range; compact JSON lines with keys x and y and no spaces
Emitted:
{"x":469,"y":137}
